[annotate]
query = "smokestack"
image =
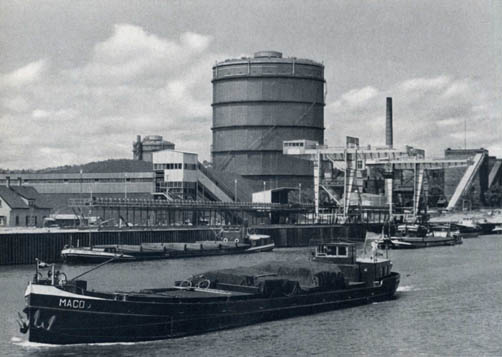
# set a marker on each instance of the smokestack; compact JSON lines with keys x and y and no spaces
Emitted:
{"x":388,"y":123}
{"x":20,"y":181}
{"x":7,"y":178}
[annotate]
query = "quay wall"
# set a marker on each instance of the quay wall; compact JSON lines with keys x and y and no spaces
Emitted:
{"x":23,"y":248}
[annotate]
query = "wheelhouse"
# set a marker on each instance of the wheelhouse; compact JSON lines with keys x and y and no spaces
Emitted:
{"x":340,"y":252}
{"x":260,"y":240}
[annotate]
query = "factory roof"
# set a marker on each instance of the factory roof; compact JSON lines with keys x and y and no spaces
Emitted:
{"x":106,"y":166}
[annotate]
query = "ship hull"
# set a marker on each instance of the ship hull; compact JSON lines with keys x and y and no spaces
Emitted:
{"x":60,"y":317}
{"x":416,"y":242}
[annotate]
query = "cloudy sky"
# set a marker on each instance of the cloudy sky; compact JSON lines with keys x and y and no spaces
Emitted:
{"x":80,"y":79}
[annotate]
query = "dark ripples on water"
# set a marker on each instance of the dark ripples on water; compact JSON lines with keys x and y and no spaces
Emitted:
{"x":449,"y":304}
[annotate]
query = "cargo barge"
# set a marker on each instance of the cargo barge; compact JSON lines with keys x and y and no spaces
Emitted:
{"x":61,"y":311}
{"x":253,"y":243}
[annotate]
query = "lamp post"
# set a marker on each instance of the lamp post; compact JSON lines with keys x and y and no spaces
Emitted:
{"x":125,"y":185}
{"x":235,"y":190}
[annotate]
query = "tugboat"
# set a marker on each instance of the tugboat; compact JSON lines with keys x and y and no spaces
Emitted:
{"x":62,"y":311}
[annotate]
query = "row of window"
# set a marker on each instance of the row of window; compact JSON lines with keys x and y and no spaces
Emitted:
{"x":176,"y":184}
{"x":339,"y":251}
{"x":294,"y":144}
{"x":175,"y":166}
{"x":28,"y":220}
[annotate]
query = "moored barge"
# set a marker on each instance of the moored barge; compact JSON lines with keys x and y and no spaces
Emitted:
{"x":252,"y":243}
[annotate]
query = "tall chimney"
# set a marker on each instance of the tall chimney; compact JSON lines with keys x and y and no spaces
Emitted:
{"x":20,"y":181}
{"x":7,"y":178}
{"x":388,"y":123}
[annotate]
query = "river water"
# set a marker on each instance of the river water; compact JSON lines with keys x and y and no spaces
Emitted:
{"x":449,"y":304}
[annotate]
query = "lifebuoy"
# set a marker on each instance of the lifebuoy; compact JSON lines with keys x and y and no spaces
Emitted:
{"x":62,"y":278}
{"x":236,"y":240}
{"x":186,"y":284}
{"x":204,"y":284}
{"x":225,"y":240}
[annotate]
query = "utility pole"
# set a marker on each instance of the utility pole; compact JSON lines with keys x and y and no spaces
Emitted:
{"x":81,"y":181}
{"x":235,"y":190}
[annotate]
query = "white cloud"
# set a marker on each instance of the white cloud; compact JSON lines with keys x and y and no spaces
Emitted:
{"x":429,"y":113}
{"x":134,"y":82}
{"x":195,"y":41}
{"x":61,"y":114}
{"x":39,"y":113}
{"x":131,"y":53}
{"x":24,"y":75}
{"x":355,"y":98}
{"x":456,"y":88}
{"x":424,"y":84}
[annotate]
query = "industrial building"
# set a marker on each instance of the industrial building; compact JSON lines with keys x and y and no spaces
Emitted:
{"x":143,"y":149}
{"x":176,"y":174}
{"x":172,"y":175}
{"x":180,"y":175}
{"x":86,"y":183}
{"x":258,"y":102}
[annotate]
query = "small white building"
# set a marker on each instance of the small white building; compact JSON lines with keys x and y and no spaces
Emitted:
{"x":22,"y":206}
{"x":176,"y":173}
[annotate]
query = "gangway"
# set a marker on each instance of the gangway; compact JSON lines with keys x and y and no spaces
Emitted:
{"x":466,"y":180}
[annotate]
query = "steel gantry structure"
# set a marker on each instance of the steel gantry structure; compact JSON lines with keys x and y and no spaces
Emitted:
{"x":354,"y":161}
